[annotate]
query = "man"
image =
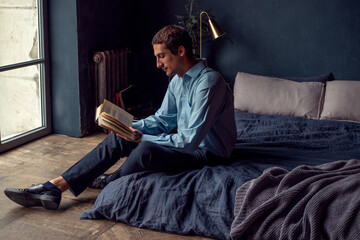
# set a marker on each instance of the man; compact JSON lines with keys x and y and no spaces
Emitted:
{"x":198,"y":103}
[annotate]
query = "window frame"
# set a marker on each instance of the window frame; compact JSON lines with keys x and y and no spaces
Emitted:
{"x":44,"y":63}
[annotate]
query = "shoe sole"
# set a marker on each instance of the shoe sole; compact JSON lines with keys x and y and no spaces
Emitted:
{"x":32,"y":200}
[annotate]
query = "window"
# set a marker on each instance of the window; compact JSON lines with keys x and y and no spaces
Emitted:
{"x":24,"y":88}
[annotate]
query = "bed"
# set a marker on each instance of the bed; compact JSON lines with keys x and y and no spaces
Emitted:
{"x":294,"y":172}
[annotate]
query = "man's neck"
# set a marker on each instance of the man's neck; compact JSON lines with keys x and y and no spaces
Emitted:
{"x":188,"y":63}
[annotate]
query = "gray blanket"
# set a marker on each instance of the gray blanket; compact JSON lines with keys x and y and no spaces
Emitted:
{"x":320,"y":202}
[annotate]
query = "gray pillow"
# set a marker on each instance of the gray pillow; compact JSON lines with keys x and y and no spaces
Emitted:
{"x":341,"y":101}
{"x":276,"y":96}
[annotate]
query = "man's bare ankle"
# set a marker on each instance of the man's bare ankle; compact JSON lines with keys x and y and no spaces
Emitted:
{"x":60,"y":183}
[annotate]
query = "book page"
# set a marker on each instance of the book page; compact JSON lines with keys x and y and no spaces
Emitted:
{"x":117,"y":112}
{"x":108,"y":122}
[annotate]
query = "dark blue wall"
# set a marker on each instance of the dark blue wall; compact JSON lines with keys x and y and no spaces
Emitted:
{"x":77,"y":30}
{"x":270,"y":37}
{"x":288,"y":38}
{"x":281,"y":37}
{"x":65,"y":96}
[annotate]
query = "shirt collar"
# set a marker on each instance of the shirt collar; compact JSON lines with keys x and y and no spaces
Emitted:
{"x":195,"y":70}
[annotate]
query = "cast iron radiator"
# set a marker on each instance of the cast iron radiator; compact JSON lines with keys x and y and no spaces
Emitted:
{"x":111,"y":74}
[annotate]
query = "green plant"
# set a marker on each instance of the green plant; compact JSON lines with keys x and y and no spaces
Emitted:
{"x":191,"y":22}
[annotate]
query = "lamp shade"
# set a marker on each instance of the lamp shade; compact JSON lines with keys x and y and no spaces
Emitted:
{"x":215,"y":29}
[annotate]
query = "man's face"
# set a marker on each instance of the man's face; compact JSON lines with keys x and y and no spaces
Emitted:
{"x":166,"y":60}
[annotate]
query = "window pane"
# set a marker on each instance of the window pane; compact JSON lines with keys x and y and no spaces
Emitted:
{"x":18,"y":31}
{"x":20,"y":101}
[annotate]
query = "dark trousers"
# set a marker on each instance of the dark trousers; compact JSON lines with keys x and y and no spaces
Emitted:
{"x":145,"y":156}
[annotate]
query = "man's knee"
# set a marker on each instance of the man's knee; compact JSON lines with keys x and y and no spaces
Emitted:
{"x":147,"y":154}
{"x":147,"y":148}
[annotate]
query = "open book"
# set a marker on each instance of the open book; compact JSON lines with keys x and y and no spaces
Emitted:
{"x":114,"y":118}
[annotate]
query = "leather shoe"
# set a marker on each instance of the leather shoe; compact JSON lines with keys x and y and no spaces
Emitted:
{"x":36,"y":195}
{"x":99,"y":182}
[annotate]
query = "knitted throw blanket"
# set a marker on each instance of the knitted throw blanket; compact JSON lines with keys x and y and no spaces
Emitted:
{"x":321,"y":202}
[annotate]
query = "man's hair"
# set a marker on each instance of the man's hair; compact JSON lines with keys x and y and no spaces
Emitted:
{"x":173,"y":37}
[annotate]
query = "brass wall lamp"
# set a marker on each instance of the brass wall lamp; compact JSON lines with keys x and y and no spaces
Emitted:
{"x":215,"y":30}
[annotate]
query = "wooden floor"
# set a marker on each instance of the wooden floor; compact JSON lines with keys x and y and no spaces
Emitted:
{"x":45,"y":159}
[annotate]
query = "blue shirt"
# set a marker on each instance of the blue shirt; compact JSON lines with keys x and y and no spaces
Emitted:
{"x":201,"y":106}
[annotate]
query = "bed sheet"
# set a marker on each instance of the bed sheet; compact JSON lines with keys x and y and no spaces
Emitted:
{"x":201,"y":202}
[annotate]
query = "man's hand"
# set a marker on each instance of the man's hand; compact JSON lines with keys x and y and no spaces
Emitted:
{"x":138,"y":135}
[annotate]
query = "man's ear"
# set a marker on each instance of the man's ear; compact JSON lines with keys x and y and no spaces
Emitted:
{"x":181,"y":51}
